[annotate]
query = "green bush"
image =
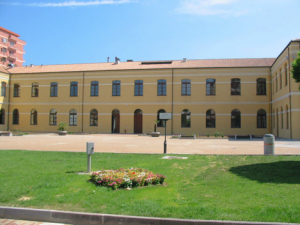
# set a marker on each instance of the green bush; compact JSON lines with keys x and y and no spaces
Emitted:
{"x":62,"y":126}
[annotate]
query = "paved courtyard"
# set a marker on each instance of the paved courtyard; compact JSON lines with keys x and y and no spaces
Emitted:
{"x":129,"y":143}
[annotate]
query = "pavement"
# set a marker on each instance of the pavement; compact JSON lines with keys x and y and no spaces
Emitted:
{"x":131,"y":143}
{"x":25,"y":222}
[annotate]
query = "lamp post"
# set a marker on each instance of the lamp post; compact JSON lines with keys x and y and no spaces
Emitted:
{"x":165,"y":117}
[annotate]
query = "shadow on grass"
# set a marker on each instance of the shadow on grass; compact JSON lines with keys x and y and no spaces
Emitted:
{"x":277,"y":172}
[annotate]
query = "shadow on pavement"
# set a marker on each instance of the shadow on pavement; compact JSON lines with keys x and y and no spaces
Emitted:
{"x":275,"y":172}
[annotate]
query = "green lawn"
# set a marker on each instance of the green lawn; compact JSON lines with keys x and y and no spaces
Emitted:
{"x":240,"y":188}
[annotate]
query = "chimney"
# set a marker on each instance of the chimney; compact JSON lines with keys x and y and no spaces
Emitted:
{"x":107,"y":59}
{"x":184,"y":60}
{"x":117,"y":60}
{"x":42,"y":65}
{"x":129,"y":60}
{"x":31,"y":65}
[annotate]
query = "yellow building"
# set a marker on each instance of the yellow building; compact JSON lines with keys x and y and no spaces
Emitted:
{"x":233,"y":96}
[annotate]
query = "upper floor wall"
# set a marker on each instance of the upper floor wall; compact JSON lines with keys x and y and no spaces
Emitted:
{"x":282,"y":82}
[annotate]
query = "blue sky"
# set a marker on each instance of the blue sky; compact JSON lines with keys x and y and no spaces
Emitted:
{"x":89,"y":31}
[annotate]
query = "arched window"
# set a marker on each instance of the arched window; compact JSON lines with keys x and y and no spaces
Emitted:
{"x":161,"y":123}
{"x":74,"y":89}
{"x":16,"y":90}
{"x":161,"y":87}
{"x":33,"y":117}
{"x":3,"y":89}
{"x":35,"y":90}
{"x":287,"y":117}
{"x":94,"y":88}
{"x":94,"y":117}
{"x":138,"y":88}
{"x":261,"y":86}
{"x":73,"y":117}
{"x":2,"y":116}
{"x":235,"y":118}
{"x":281,"y":118}
{"x":210,"y":87}
{"x":185,"y":118}
{"x":286,"y":74}
{"x":235,"y":86}
{"x":53,"y":89}
{"x":261,"y":119}
{"x":15,"y":117}
{"x":53,"y":117}
{"x":186,"y":87}
{"x":210,"y":118}
{"x":116,"y":90}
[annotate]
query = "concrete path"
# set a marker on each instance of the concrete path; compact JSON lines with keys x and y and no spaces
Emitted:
{"x":128,"y":143}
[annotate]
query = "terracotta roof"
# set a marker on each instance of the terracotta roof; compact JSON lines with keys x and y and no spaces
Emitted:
{"x":203,"y":63}
{"x":10,"y":32}
{"x":3,"y":70}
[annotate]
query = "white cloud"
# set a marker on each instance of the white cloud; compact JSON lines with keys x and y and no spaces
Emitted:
{"x":209,"y":7}
{"x":71,"y":3}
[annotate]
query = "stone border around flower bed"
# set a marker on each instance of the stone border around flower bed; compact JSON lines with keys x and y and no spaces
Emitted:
{"x":54,"y":216}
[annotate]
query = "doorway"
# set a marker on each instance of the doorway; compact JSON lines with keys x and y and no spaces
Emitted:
{"x":138,"y":121}
{"x":115,"y":121}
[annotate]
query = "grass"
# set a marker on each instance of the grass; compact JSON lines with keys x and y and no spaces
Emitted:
{"x":239,"y":188}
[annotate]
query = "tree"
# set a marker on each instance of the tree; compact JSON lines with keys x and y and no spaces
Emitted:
{"x":296,"y":69}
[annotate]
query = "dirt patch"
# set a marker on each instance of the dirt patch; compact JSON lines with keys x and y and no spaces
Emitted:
{"x":24,"y":198}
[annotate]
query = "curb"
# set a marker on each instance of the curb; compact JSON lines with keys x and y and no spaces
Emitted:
{"x":78,"y":218}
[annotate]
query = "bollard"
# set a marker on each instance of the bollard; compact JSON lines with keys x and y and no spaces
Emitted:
{"x":269,"y":144}
{"x":89,"y":152}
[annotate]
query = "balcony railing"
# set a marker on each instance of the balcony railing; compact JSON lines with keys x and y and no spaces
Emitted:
{"x":12,"y":47}
{"x":12,"y":56}
{"x":12,"y":38}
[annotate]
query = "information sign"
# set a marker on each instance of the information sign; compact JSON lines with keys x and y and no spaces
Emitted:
{"x":165,"y":116}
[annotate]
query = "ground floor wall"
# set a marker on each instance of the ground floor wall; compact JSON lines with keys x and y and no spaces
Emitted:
{"x":149,"y":116}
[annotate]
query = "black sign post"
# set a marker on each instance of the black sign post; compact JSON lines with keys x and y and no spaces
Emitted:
{"x":165,"y":117}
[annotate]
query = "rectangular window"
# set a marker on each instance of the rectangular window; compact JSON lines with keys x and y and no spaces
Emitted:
{"x":12,"y":43}
{"x":4,"y":50}
{"x":162,"y":88}
{"x":35,"y":90}
{"x":4,"y":40}
{"x":74,"y":89}
{"x":3,"y":89}
{"x":286,"y":76}
{"x":138,"y":88}
{"x":210,"y":87}
{"x":116,"y":90}
{"x":94,"y":88}
{"x":235,"y":86}
{"x":186,"y":87}
{"x":53,"y":89}
{"x":261,"y":86}
{"x":16,"y":90}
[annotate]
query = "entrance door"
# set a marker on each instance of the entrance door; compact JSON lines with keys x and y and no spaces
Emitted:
{"x":138,"y":121}
{"x":115,"y":121}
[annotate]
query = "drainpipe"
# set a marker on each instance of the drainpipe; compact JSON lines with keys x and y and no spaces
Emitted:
{"x":82,"y":102}
{"x":9,"y":83}
{"x":290,"y":95}
{"x":172,"y":100}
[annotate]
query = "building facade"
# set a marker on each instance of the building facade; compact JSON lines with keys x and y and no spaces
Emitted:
{"x":233,"y":96}
{"x":12,"y":48}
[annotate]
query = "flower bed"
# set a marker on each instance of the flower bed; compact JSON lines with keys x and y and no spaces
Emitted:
{"x":126,"y":178}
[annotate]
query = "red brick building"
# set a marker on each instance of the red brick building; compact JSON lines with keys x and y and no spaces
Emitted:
{"x":12,"y":48}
